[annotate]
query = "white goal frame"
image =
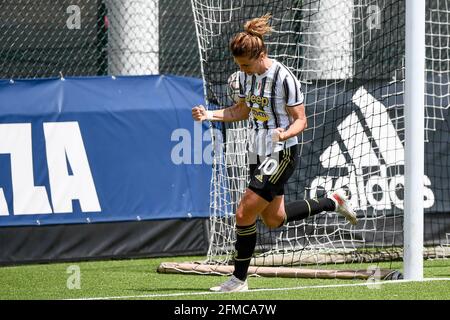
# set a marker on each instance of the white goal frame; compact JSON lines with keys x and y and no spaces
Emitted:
{"x":414,"y":139}
{"x":211,"y":24}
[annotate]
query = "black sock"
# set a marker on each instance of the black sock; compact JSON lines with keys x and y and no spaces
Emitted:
{"x":245,"y":245}
{"x":301,"y":209}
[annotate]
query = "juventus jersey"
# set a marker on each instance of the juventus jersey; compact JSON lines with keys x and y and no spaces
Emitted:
{"x":268,"y":96}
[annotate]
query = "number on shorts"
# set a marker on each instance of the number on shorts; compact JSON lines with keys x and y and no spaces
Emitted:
{"x":268,"y":166}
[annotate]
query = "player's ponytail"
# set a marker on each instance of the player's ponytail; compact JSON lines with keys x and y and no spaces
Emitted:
{"x":250,"y":43}
{"x":259,"y":26}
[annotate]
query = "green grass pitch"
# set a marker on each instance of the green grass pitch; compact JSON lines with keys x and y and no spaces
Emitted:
{"x":137,"y":279}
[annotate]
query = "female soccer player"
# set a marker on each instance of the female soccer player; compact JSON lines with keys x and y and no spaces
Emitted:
{"x":271,"y":97}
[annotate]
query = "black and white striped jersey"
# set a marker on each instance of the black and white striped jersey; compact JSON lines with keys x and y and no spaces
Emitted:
{"x":268,"y":95}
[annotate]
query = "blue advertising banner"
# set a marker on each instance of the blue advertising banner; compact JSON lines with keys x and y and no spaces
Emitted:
{"x":85,"y":150}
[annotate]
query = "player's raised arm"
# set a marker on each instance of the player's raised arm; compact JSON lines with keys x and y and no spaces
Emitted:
{"x":237,"y":112}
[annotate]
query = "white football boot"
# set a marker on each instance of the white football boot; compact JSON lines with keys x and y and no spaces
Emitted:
{"x":231,"y":285}
{"x":343,"y":206}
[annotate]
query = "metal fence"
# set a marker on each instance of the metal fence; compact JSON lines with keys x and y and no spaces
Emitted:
{"x":49,"y":38}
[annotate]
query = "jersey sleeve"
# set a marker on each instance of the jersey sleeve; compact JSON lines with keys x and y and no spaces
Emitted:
{"x":292,"y":91}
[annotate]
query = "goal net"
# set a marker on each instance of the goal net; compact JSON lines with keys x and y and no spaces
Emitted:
{"x":349,"y":56}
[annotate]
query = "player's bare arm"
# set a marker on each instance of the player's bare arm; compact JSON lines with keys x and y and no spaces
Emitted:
{"x":298,"y":125}
{"x":237,"y":112}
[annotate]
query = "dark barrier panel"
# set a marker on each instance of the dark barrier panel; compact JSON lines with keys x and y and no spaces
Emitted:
{"x":57,"y":243}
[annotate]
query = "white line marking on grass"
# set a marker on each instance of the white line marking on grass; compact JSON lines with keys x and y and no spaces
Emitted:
{"x":166,"y":295}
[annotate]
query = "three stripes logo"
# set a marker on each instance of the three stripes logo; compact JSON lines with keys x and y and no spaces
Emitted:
{"x":368,"y":159}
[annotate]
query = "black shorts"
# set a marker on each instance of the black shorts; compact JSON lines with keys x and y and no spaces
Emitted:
{"x":269,"y":175}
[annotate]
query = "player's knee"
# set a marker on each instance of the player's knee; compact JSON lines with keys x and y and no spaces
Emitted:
{"x":245,"y":216}
{"x":273,"y":222}
{"x":240,"y":217}
{"x":247,"y":212}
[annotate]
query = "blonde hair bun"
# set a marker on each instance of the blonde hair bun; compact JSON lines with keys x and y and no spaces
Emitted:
{"x":259,"y":26}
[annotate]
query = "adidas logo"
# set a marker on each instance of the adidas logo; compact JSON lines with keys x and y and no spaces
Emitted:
{"x":368,"y":159}
{"x":259,"y":177}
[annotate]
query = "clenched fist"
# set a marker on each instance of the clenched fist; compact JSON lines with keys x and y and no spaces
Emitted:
{"x":278,"y":135}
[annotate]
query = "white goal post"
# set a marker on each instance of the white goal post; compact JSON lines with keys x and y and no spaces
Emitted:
{"x":414,"y":137}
